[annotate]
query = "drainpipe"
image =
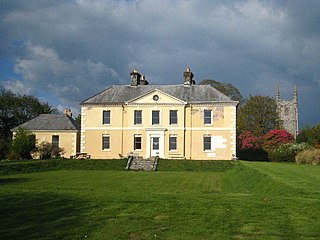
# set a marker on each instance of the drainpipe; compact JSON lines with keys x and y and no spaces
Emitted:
{"x":184,"y":131}
{"x":190,"y":132}
{"x":122,"y":130}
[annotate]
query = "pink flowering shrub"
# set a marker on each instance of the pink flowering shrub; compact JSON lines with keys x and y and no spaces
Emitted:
{"x":247,"y":140}
{"x":275,"y":138}
{"x":249,"y":147}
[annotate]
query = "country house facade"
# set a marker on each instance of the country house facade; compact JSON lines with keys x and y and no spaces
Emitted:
{"x":184,"y":121}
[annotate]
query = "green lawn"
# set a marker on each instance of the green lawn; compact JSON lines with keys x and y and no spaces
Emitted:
{"x":183,"y":200}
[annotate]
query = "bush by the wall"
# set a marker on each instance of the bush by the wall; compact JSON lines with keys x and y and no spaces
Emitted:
{"x":46,"y":150}
{"x":311,"y":156}
{"x":287,"y":152}
{"x":249,"y":147}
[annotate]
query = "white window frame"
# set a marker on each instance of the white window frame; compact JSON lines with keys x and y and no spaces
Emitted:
{"x":157,"y":124}
{"x":134,"y":142}
{"x":204,"y":116}
{"x":103,"y":119}
{"x":135,"y":119}
{"x":106,"y":136}
{"x":176,"y":142}
{"x":204,"y":145}
{"x":170,"y":123}
{"x":54,"y":142}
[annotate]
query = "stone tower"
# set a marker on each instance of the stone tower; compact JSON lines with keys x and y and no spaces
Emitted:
{"x":288,"y":111}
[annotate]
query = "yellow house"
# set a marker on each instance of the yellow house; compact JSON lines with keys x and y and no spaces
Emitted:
{"x":58,"y":129}
{"x":184,"y":121}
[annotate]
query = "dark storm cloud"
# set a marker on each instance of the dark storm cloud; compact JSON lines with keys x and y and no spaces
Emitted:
{"x":73,"y":49}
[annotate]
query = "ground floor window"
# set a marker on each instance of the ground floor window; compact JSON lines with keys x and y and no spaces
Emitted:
{"x":55,"y":140}
{"x":105,"y":142}
{"x":172,"y":142}
{"x":206,"y":143}
{"x":137,"y":142}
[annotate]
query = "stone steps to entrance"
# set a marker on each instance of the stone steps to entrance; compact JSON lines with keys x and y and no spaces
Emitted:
{"x":138,"y":163}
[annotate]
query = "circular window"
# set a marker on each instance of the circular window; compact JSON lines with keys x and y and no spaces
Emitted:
{"x":155,"y":97}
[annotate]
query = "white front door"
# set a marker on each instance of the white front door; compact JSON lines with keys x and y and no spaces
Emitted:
{"x":155,"y":146}
{"x":155,"y":143}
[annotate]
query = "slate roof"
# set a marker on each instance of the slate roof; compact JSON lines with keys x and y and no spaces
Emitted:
{"x":48,"y":122}
{"x":189,"y":94}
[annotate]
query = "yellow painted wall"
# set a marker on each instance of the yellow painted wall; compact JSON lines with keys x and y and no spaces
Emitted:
{"x":69,"y":141}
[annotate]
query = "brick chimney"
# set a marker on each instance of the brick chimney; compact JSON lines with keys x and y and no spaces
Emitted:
{"x":68,"y":112}
{"x":188,"y":75}
{"x":143,"y":80}
{"x":135,"y":77}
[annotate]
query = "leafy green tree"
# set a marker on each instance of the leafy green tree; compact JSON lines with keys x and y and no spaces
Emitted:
{"x":310,"y":135}
{"x":258,"y":115}
{"x":226,"y":88}
{"x":17,"y":109}
{"x":4,"y":148}
{"x":23,"y":143}
{"x":78,"y":119}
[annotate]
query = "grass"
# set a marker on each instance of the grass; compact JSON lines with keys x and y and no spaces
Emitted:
{"x":183,"y":200}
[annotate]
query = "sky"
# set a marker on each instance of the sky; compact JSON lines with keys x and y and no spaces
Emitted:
{"x":66,"y":51}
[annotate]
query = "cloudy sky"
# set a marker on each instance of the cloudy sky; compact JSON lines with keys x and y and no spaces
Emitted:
{"x":65,"y":51}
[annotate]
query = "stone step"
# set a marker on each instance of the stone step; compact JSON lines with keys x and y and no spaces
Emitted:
{"x":138,"y":163}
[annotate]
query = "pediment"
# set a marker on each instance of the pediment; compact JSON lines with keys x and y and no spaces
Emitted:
{"x":156,"y":97}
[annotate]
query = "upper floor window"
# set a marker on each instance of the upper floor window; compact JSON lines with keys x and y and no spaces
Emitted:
{"x":137,"y":142}
{"x":137,"y":117}
{"x":207,"y":116}
{"x":172,"y":142}
{"x":105,"y":142}
{"x":106,"y":117}
{"x":173,"y":117}
{"x":55,"y":140}
{"x":155,"y":117}
{"x":206,"y":143}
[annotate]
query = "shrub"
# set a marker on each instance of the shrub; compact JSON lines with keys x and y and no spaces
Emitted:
{"x":274,"y":138}
{"x":46,"y":150}
{"x":249,"y":147}
{"x":247,"y":140}
{"x":23,"y":143}
{"x":287,"y":152}
{"x":311,"y":156}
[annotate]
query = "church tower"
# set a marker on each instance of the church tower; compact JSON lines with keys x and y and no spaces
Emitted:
{"x":288,"y":111}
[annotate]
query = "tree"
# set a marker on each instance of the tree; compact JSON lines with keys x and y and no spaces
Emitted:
{"x":226,"y":88}
{"x":17,"y":109}
{"x":23,"y":143}
{"x":78,"y":119}
{"x":310,"y":135}
{"x":258,"y":115}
